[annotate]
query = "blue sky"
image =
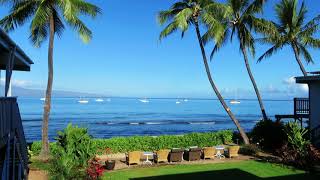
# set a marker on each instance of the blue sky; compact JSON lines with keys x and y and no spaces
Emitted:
{"x":125,"y":58}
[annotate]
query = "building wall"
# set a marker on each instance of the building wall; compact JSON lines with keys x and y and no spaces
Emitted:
{"x":314,"y":89}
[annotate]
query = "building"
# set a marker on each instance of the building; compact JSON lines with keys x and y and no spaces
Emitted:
{"x":13,"y":148}
{"x":313,"y":82}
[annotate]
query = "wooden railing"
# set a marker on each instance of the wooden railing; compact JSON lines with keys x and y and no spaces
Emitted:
{"x":301,"y":106}
{"x":14,"y":154}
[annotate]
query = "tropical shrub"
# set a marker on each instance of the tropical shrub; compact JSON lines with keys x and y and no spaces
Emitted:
{"x":296,"y":138}
{"x":269,"y":135}
{"x":298,"y":151}
{"x":74,"y":148}
{"x":64,"y":167}
{"x":149,"y":143}
{"x":36,"y":147}
{"x":251,"y":150}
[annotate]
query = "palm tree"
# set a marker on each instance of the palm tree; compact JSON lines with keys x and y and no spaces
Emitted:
{"x":291,"y":30}
{"x":47,"y":18}
{"x":184,"y":13}
{"x":240,"y":22}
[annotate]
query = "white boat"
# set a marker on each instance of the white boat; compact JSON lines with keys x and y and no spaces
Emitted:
{"x":185,"y":100}
{"x":83,"y":101}
{"x":178,"y":102}
{"x":42,"y":99}
{"x":144,"y":100}
{"x":99,"y":100}
{"x":235,"y":101}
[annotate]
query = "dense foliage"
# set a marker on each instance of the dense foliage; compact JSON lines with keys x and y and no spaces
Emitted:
{"x":149,"y":143}
{"x":73,"y":150}
{"x":269,"y":135}
{"x":298,"y":151}
{"x":251,"y":150}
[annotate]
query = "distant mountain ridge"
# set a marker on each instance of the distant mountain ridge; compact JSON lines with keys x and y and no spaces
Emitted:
{"x":38,"y":93}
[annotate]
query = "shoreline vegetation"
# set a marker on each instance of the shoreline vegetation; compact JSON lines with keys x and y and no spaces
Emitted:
{"x":151,"y":143}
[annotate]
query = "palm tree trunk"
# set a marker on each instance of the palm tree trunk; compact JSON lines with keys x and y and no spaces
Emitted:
{"x":296,"y":53}
{"x":263,"y":111}
{"x":44,"y":154}
{"x":225,"y":106}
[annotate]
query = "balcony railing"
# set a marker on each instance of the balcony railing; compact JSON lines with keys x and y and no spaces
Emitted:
{"x":14,"y":154}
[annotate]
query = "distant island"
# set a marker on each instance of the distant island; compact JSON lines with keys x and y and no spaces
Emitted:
{"x":38,"y":93}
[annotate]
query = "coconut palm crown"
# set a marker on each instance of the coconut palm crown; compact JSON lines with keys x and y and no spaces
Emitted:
{"x":291,"y":30}
{"x":48,"y":18}
{"x":240,"y":23}
{"x":39,"y":11}
{"x":186,"y":13}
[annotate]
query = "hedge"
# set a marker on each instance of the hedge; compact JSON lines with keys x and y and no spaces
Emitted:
{"x":149,"y":143}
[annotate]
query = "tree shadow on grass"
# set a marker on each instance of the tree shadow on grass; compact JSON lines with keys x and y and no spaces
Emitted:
{"x":231,"y":174}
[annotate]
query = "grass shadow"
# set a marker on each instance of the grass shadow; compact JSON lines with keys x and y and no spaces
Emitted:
{"x":230,"y":174}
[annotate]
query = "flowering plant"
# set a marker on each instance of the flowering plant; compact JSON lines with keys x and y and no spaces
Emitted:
{"x":95,"y":169}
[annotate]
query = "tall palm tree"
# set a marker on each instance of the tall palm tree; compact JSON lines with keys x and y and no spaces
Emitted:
{"x":47,"y":20}
{"x":184,"y":13}
{"x":291,"y":30}
{"x":240,"y":22}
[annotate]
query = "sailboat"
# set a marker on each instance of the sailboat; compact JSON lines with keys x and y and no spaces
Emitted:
{"x":235,"y":101}
{"x":144,"y":100}
{"x":83,"y":101}
{"x":99,"y":100}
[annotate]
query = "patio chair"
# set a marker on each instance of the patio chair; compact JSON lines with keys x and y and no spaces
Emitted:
{"x":193,"y":154}
{"x":161,"y":155}
{"x":133,"y":157}
{"x":232,"y":151}
{"x":176,"y":155}
{"x":209,"y":152}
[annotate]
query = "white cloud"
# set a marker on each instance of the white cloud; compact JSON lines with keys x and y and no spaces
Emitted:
{"x":18,"y":82}
{"x":293,"y":87}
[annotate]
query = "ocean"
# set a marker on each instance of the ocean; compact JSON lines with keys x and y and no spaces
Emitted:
{"x":129,"y":116}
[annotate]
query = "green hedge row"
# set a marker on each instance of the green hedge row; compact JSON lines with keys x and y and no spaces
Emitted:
{"x":149,"y":143}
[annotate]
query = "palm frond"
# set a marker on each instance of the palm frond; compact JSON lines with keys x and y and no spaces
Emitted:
{"x":255,"y":7}
{"x":169,"y":29}
{"x":265,"y":27}
{"x":220,"y":43}
{"x":83,"y":31}
{"x":310,"y":28}
{"x":168,"y":15}
{"x":82,"y":7}
{"x":40,"y":23}
{"x":269,"y":52}
{"x":19,"y":14}
{"x":305,"y":53}
{"x":58,"y":24}
{"x":311,"y":42}
{"x":301,"y":15}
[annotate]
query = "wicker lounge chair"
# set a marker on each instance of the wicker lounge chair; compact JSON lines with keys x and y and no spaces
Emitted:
{"x":209,"y":152}
{"x":193,"y":154}
{"x":233,"y":151}
{"x":161,"y":155}
{"x":176,"y":155}
{"x":133,"y":157}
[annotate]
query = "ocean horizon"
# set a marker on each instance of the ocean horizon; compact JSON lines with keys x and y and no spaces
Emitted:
{"x":115,"y":117}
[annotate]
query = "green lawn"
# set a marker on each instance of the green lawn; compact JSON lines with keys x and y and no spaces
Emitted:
{"x":233,"y":170}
